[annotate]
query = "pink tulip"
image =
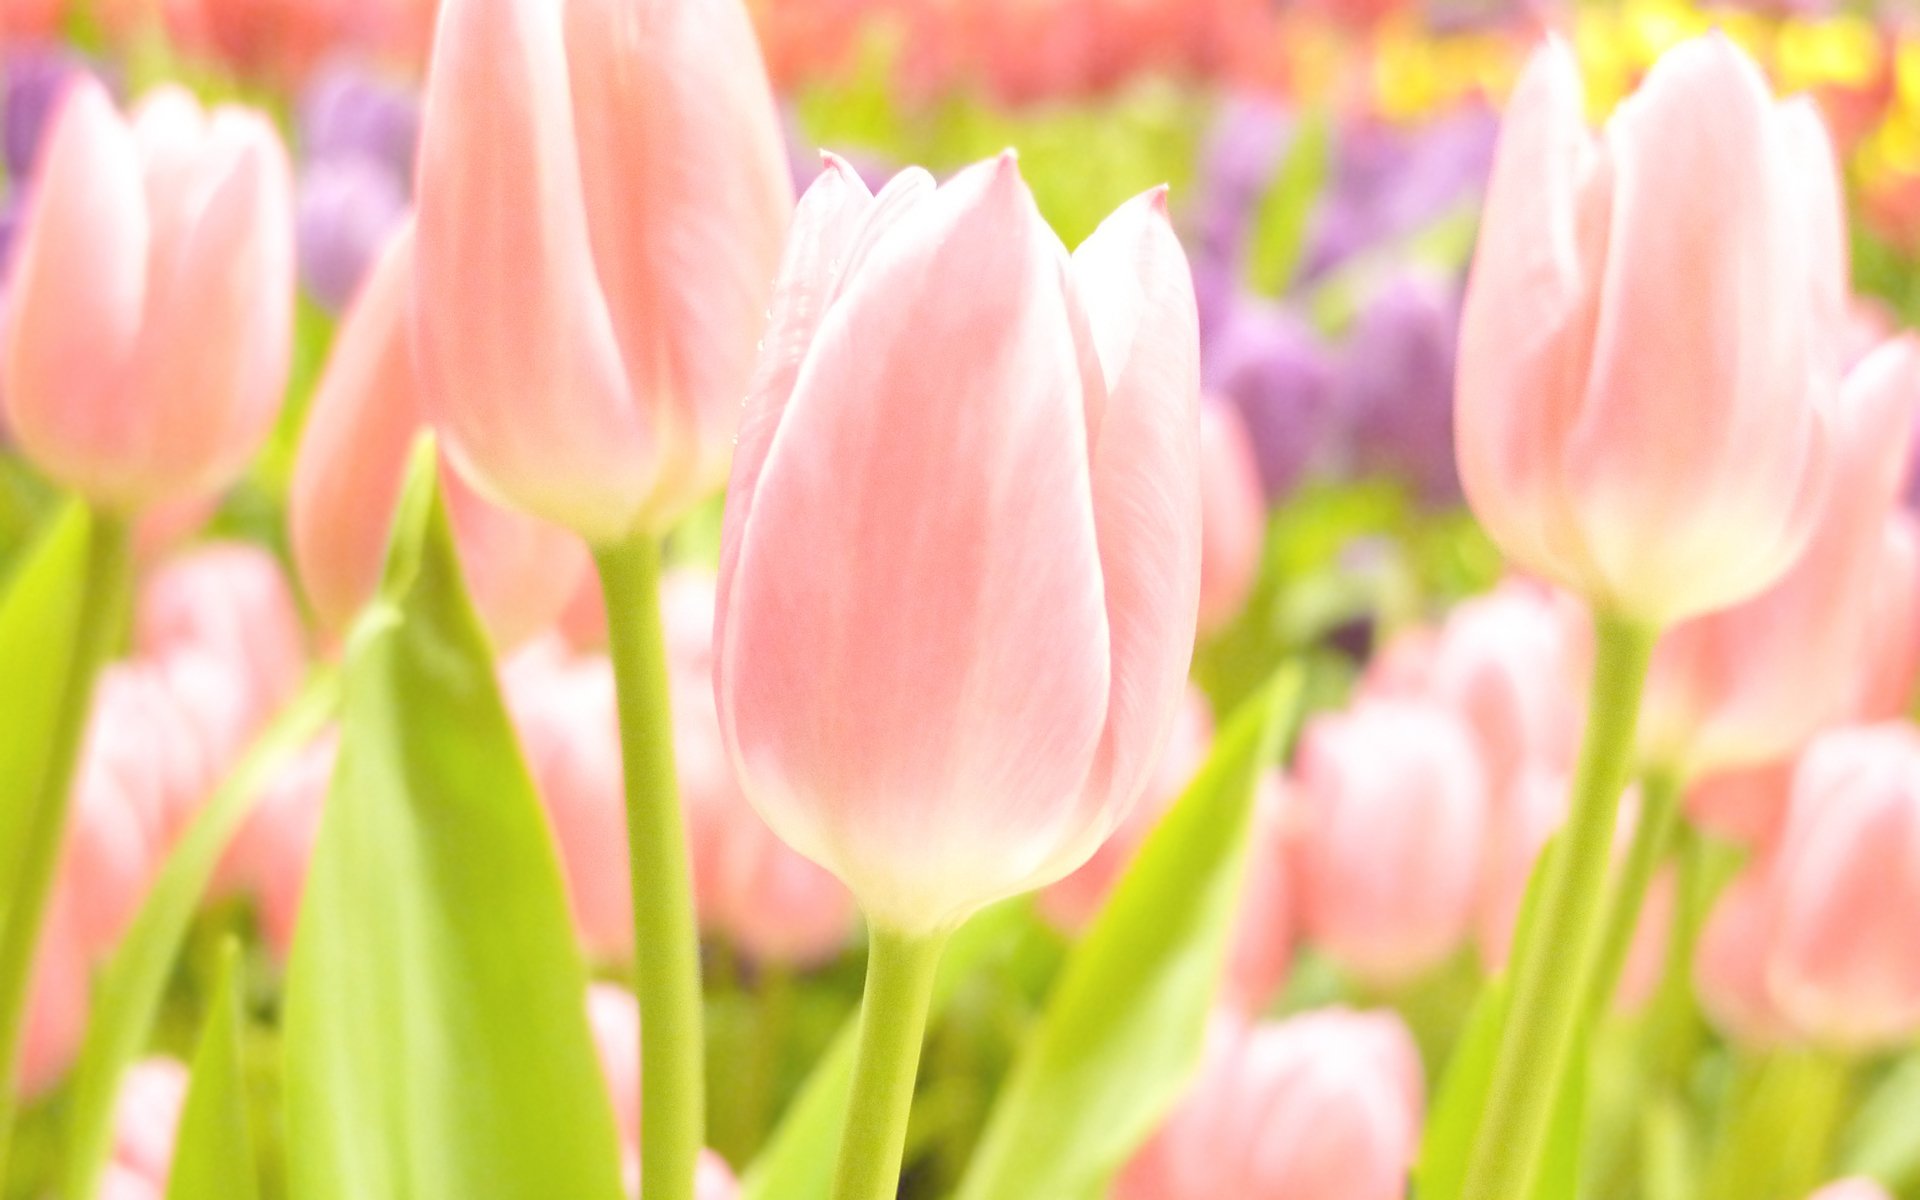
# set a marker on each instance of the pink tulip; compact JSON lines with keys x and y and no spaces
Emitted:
{"x":230,"y":600}
{"x":56,"y":1018}
{"x":1730,"y":965}
{"x":1391,"y":801}
{"x":614,"y":1017}
{"x":150,"y":313}
{"x":960,"y":569}
{"x":1844,"y":964}
{"x":603,"y":188}
{"x":1746,"y":806}
{"x":353,"y":459}
{"x":1233,"y":515}
{"x":1852,"y":1189}
{"x":1324,"y":1106}
{"x":1890,"y":667}
{"x":146,"y":1116}
{"x":1651,"y":336}
{"x":29,"y":18}
{"x":1750,"y":684}
{"x":276,"y":39}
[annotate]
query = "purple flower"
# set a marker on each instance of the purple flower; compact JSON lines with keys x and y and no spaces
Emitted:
{"x":34,"y":80}
{"x":347,"y":208}
{"x":1396,"y":384}
{"x":1272,"y":365}
{"x":1246,"y":145}
{"x":348,"y":111}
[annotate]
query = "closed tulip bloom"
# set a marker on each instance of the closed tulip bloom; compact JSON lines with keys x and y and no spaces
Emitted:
{"x":149,"y":319}
{"x":1890,"y":669}
{"x":1390,"y":798}
{"x":231,"y":601}
{"x":1323,"y":1106}
{"x":1751,"y":683}
{"x":1747,"y":806}
{"x":1844,"y":966}
{"x":1730,"y":965}
{"x":353,"y":457}
{"x":960,"y":569}
{"x":1233,"y":515}
{"x":1649,"y":347}
{"x":57,"y":1001}
{"x":602,"y":193}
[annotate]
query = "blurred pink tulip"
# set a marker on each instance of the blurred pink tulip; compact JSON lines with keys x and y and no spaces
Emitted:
{"x":1730,"y":965}
{"x":353,"y":457}
{"x":1890,"y":667}
{"x":960,"y":569}
{"x":29,"y":18}
{"x":1750,"y":684}
{"x":277,"y":40}
{"x":149,"y":319}
{"x":602,"y":193}
{"x":146,"y":1116}
{"x":1651,"y":337}
{"x":57,"y":1002}
{"x":1233,"y":515}
{"x":1746,"y":806}
{"x":1844,"y":965}
{"x":614,"y":1017}
{"x":1391,"y":803}
{"x":1324,"y":1106}
{"x":1852,"y":1189}
{"x":231,"y":600}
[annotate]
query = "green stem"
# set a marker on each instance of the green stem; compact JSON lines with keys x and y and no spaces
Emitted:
{"x":666,"y":944}
{"x":1555,"y":960}
{"x":893,"y":1022}
{"x":109,"y":566}
{"x":1660,"y":791}
{"x":1674,"y":1031}
{"x":1778,"y":1141}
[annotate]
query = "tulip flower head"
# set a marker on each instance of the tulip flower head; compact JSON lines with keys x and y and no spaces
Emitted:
{"x":602,"y":192}
{"x":960,"y":569}
{"x":1651,"y":335}
{"x":149,"y":315}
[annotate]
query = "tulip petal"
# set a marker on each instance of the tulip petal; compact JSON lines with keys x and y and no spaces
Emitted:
{"x":687,"y":190}
{"x":1697,"y":419}
{"x":516,"y":348}
{"x":78,"y":289}
{"x":918,"y":588}
{"x":1527,"y":321}
{"x":1137,"y":288}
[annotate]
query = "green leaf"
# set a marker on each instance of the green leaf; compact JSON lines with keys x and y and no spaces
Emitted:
{"x":436,"y":1031}
{"x":1285,"y":215}
{"x":128,"y":992}
{"x":1126,"y":1025}
{"x":1883,"y":1139}
{"x":213,"y":1152}
{"x":797,"y":1162}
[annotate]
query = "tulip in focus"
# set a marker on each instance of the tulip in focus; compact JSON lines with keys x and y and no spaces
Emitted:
{"x":602,"y":193}
{"x":150,"y":311}
{"x":1233,"y":515}
{"x":1650,"y":344}
{"x":1391,"y":801}
{"x":960,"y":569}
{"x":1324,"y":1106}
{"x":365,"y":417}
{"x":1750,"y":684}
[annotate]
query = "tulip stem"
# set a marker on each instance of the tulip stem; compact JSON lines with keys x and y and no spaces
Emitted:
{"x":1652,"y":836}
{"x":1558,"y":955}
{"x":666,"y":944}
{"x":109,"y":566}
{"x":893,"y":1022}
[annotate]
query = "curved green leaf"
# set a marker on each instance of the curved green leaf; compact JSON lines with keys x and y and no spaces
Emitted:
{"x":1126,"y":1025}
{"x":436,"y":1032}
{"x":213,"y":1155}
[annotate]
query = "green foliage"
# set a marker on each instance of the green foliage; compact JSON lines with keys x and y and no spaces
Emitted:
{"x":213,"y":1155}
{"x":1285,"y":215}
{"x":1126,"y":1026}
{"x":436,"y":1033}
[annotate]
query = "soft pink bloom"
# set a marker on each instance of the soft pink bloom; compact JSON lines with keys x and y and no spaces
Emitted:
{"x":56,"y":1017}
{"x":231,"y":600}
{"x":365,"y":419}
{"x":1750,"y":684}
{"x":29,"y":18}
{"x":1233,"y":515}
{"x":1325,"y":1106}
{"x":1730,"y":965}
{"x":1844,"y":965}
{"x":1747,"y":806}
{"x":276,"y":39}
{"x":1651,"y":337}
{"x":150,"y":314}
{"x":146,"y":1116}
{"x":602,"y":193}
{"x":614,"y":1017}
{"x":960,"y":569}
{"x":1391,"y":803}
{"x":1852,"y":1189}
{"x":1890,"y":666}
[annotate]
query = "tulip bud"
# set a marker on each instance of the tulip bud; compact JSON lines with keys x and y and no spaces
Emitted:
{"x":602,"y":194}
{"x":1730,"y":965}
{"x":149,"y":317}
{"x":1750,"y":684}
{"x":1844,"y":965}
{"x":230,"y":600}
{"x":1391,"y":800}
{"x":1233,"y":515}
{"x":353,"y":459}
{"x":1650,"y":342}
{"x":1324,"y":1106}
{"x":960,"y":567}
